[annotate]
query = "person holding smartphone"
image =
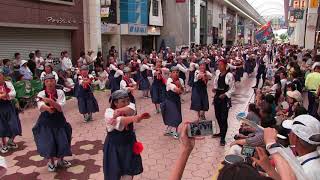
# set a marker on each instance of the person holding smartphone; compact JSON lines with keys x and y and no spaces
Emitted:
{"x":223,"y":87}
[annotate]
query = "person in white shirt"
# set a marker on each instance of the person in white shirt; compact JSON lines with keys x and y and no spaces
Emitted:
{"x":48,"y":69}
{"x":171,"y":107}
{"x":39,"y":63}
{"x":121,"y":152}
{"x":82,"y":60}
{"x":66,"y":63}
{"x":102,"y":77}
{"x":305,"y":137}
{"x":223,"y":87}
{"x":183,"y":70}
{"x":128,"y":84}
{"x":52,"y":133}
{"x":199,"y":97}
{"x":192,"y":69}
{"x":144,"y":84}
{"x":10,"y":122}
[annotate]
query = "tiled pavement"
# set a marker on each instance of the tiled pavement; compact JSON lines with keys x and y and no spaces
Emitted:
{"x":159,"y":155}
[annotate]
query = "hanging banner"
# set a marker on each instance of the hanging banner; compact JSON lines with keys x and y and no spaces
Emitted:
{"x":180,"y":1}
{"x":314,"y":3}
{"x":298,"y":13}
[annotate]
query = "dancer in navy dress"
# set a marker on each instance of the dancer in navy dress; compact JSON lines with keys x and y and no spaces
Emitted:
{"x":117,"y":77}
{"x":52,"y":133}
{"x":121,"y":157}
{"x":199,"y":96}
{"x":192,"y":69}
{"x":183,"y":70}
{"x":144,"y":83}
{"x":158,"y":88}
{"x":112,"y":70}
{"x":87,"y":103}
{"x":135,"y":67}
{"x":223,"y":86}
{"x":128,"y":84}
{"x":171,"y":107}
{"x":10,"y":125}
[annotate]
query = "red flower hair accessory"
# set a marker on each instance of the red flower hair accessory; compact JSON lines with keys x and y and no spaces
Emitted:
{"x":137,"y":148}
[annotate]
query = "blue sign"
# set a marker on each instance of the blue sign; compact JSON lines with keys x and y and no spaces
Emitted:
{"x":137,"y":29}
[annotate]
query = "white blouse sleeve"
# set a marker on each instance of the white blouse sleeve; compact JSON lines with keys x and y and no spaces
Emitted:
{"x":61,"y":98}
{"x":133,"y":81}
{"x":181,"y":68}
{"x":108,"y":115}
{"x":170,"y":85}
{"x":113,"y":67}
{"x":12,"y":93}
{"x":56,"y":77}
{"x":196,"y":75}
{"x":123,"y":85}
{"x":41,"y":94}
{"x":43,"y":74}
{"x":118,"y":73}
{"x":230,"y":81}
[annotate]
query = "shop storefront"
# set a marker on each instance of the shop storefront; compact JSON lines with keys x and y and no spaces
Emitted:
{"x":50,"y":27}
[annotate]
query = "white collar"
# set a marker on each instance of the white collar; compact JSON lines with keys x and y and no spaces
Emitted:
{"x":306,"y":157}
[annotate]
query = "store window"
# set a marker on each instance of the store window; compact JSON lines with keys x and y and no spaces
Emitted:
{"x":155,"y":8}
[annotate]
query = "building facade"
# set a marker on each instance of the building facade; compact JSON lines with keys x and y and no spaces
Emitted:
{"x":48,"y":25}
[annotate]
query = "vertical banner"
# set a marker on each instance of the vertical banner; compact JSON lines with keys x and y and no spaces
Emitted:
{"x":314,"y":3}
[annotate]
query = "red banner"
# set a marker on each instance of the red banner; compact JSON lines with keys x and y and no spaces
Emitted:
{"x":180,"y":1}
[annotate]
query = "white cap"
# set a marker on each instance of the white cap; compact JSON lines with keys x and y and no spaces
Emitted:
{"x":316,"y":64}
{"x":306,"y":127}
{"x":295,"y":95}
{"x":23,"y":62}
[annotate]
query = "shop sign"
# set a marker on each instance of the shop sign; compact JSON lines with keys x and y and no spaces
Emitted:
{"x":298,"y":13}
{"x":137,"y":29}
{"x":61,"y":20}
{"x":109,"y":28}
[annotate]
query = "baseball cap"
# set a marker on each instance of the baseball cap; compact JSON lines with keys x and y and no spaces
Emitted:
{"x":306,"y":127}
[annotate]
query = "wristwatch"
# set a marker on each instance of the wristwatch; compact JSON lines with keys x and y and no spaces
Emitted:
{"x":273,"y":148}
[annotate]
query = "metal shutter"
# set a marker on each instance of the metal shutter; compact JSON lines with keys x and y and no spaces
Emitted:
{"x":25,"y":40}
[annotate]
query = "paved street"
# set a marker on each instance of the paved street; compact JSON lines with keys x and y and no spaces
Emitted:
{"x":159,"y":155}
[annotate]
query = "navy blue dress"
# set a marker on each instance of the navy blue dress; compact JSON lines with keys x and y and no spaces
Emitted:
{"x":10,"y":125}
{"x":52,"y":135}
{"x":115,"y":84}
{"x":118,"y":156}
{"x":158,"y":90}
{"x":171,"y":109}
{"x":87,"y":103}
{"x":144,"y":83}
{"x":111,"y":77}
{"x":191,"y":78}
{"x":199,"y":96}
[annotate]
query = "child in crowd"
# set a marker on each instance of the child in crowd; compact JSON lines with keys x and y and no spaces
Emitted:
{"x":52,"y":133}
{"x":171,"y":107}
{"x":87,"y":103}
{"x":10,"y":125}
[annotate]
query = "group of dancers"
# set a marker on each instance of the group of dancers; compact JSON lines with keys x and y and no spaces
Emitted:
{"x":52,"y":133}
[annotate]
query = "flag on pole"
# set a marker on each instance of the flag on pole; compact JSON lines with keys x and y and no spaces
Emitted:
{"x":264,"y":33}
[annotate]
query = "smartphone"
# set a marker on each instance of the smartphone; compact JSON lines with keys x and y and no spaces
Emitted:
{"x":202,"y":128}
{"x":248,"y":151}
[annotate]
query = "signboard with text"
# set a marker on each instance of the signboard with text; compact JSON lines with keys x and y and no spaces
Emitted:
{"x":298,"y":13}
{"x":137,"y":29}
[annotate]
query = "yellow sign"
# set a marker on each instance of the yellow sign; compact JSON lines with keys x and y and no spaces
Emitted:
{"x":314,"y":4}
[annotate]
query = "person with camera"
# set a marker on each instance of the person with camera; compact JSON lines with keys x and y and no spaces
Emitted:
{"x":304,"y":139}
